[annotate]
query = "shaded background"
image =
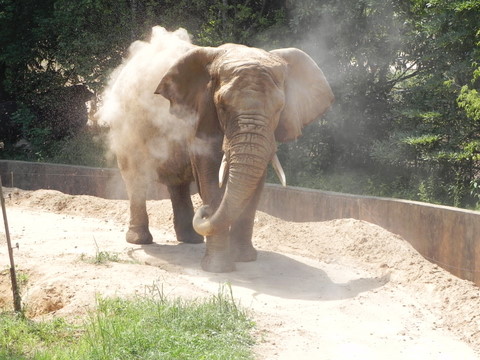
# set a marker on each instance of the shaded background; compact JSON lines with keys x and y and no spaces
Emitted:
{"x":406,"y":122}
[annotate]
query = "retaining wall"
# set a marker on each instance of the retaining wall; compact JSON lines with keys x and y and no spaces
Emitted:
{"x":74,"y":180}
{"x":445,"y":235}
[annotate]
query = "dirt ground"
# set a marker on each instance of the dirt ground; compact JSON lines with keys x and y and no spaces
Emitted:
{"x":342,"y":289}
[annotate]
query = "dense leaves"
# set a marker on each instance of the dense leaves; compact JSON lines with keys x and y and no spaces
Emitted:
{"x":406,"y":75}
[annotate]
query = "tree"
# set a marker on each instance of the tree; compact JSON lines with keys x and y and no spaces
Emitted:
{"x":435,"y":136}
{"x":51,"y":49}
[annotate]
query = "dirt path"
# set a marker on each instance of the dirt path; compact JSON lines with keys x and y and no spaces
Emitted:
{"x":326,"y":290}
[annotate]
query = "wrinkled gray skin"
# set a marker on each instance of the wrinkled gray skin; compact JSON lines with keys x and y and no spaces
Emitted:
{"x":245,"y":100}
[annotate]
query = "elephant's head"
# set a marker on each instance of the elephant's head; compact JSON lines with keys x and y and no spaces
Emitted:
{"x":255,"y":98}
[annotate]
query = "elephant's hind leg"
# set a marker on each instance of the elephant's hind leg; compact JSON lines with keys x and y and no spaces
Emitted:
{"x":183,"y":214}
{"x":138,"y":232}
{"x":136,"y":185}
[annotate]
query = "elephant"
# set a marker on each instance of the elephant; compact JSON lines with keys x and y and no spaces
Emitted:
{"x":242,"y":101}
{"x":148,"y":148}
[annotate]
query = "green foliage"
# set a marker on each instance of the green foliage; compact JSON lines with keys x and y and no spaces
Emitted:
{"x":249,"y":23}
{"x":36,"y":137}
{"x":24,"y":339}
{"x":469,"y":100}
{"x":475,"y":192}
{"x":309,"y":156}
{"x":357,"y":47}
{"x":91,"y":38}
{"x":87,"y":148}
{"x":425,"y":142}
{"x":150,"y":327}
{"x":435,"y":134}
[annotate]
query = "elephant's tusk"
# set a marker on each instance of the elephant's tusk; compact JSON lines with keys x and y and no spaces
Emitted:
{"x":279,"y":170}
{"x":223,"y":171}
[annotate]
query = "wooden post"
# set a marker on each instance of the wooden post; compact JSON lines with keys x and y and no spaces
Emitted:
{"x":16,"y":295}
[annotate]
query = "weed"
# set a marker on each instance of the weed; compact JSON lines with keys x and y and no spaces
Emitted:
{"x":22,"y":279}
{"x":101,"y":257}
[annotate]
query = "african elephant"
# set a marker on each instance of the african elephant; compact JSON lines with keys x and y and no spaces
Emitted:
{"x":242,"y":100}
{"x":148,"y":147}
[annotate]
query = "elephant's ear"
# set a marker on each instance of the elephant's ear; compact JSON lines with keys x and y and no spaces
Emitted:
{"x":186,"y":81}
{"x":307,"y":94}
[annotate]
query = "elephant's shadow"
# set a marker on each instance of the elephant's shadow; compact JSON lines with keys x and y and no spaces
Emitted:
{"x":272,"y":274}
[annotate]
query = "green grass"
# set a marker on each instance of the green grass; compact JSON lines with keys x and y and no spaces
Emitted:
{"x":150,"y":327}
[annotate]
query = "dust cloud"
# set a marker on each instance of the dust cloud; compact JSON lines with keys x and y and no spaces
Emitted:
{"x":141,"y":127}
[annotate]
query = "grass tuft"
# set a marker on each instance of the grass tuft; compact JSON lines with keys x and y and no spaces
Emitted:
{"x":100,"y":258}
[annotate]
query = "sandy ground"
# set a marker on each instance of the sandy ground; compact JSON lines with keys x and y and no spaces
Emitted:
{"x":342,"y":289}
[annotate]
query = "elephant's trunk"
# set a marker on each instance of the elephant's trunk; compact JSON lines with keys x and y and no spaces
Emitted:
{"x":248,"y":155}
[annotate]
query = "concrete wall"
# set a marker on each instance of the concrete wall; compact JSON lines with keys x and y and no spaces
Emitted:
{"x":447,"y":236}
{"x":74,"y":180}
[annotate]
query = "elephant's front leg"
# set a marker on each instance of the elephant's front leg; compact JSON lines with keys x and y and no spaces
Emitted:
{"x":183,"y":214}
{"x":242,"y":230}
{"x":218,"y":257}
{"x":241,"y":237}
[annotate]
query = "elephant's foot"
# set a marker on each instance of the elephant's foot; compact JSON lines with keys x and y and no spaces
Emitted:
{"x":218,"y":263}
{"x":139,"y":235}
{"x":189,"y":237}
{"x":244,"y":253}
